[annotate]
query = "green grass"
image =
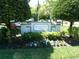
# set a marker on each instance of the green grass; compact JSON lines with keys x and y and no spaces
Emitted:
{"x":41,"y":53}
{"x":66,"y":53}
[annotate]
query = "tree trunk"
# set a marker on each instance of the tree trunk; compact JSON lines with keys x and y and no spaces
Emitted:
{"x":71,"y":23}
{"x":62,"y":22}
{"x":8,"y":24}
{"x":70,"y":28}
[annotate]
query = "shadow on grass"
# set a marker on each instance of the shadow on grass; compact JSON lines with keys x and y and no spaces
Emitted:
{"x":33,"y":53}
{"x":28,"y":53}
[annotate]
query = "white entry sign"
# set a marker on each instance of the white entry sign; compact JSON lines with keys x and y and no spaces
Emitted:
{"x":40,"y":26}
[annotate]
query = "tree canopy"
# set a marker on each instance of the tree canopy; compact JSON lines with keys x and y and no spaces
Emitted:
{"x":42,"y":11}
{"x":66,"y":10}
{"x":18,"y":10}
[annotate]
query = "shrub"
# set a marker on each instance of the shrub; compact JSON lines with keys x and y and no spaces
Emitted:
{"x":45,"y":34}
{"x":3,"y":33}
{"x":75,"y":33}
{"x":55,"y":36}
{"x":52,"y":37}
{"x":32,"y":36}
{"x":35,"y":36}
{"x":55,"y":33}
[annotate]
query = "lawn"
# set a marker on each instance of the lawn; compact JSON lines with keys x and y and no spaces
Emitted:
{"x":41,"y":53}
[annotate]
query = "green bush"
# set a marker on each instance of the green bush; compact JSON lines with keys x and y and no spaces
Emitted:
{"x":35,"y":36}
{"x":75,"y":33}
{"x":45,"y":34}
{"x":32,"y":36}
{"x":52,"y":37}
{"x":55,"y":36}
{"x":3,"y":35}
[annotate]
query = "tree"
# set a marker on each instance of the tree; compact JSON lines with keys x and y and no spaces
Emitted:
{"x":67,"y":10}
{"x":18,"y":10}
{"x":41,"y":12}
{"x":51,"y":6}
